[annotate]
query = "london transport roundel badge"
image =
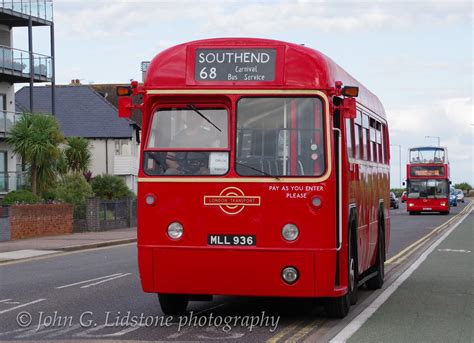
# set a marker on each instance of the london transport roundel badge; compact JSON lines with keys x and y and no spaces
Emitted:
{"x":231,"y":200}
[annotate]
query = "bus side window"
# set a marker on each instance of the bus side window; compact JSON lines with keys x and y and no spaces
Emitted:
{"x":365,"y":136}
{"x":373,"y":144}
{"x":385,"y":146}
{"x":349,"y":141}
{"x":378,"y":139}
{"x":358,"y":135}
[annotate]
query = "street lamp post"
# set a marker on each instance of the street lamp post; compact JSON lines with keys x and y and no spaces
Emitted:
{"x":439,"y":139}
{"x":399,"y":162}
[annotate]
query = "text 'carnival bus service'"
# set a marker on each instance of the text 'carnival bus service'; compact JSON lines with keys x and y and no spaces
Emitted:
{"x":260,"y":175}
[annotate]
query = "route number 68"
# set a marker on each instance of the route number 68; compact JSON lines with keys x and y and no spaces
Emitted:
{"x":203,"y":74}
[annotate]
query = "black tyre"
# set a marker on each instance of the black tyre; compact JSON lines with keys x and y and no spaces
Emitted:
{"x":377,"y":281}
{"x":445,"y":213}
{"x":173,"y":304}
{"x":339,"y":307}
{"x":353,"y":270}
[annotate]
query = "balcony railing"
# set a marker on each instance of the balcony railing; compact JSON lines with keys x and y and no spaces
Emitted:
{"x":42,"y":9}
{"x":11,"y":181}
{"x":17,"y":62}
{"x":7,"y":120}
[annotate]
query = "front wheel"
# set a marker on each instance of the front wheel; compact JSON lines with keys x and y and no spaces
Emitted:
{"x":339,"y":307}
{"x":377,"y":281}
{"x":173,"y":304}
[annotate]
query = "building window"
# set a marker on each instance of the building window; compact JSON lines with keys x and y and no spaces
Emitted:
{"x":123,"y":147}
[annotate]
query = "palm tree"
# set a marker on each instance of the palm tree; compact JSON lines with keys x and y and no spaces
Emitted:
{"x":78,"y":155}
{"x":36,"y":138}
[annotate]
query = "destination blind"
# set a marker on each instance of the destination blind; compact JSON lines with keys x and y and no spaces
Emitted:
{"x":251,"y":65}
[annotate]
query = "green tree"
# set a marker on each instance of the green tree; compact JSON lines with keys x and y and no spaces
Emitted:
{"x":464,"y":186}
{"x":110,"y":187}
{"x":77,"y":154}
{"x":36,"y":138}
{"x":74,"y":189}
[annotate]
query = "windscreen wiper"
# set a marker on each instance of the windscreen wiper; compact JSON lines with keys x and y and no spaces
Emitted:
{"x":257,"y":170}
{"x":194,"y":108}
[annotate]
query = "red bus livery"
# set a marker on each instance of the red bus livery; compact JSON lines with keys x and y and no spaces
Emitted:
{"x":264,"y":172}
{"x":428,"y":180}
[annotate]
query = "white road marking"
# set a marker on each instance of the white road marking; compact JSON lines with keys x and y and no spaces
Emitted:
{"x":22,"y":305}
{"x":13,"y":331}
{"x":219,"y":334}
{"x":5,"y":300}
{"x":64,"y":331}
{"x":358,"y":321}
{"x":179,"y":333}
{"x":455,"y":250}
{"x":81,"y":282}
{"x":21,"y":254}
{"x":88,"y":332}
{"x":109,"y":279}
{"x":47,"y":331}
{"x":12,"y":302}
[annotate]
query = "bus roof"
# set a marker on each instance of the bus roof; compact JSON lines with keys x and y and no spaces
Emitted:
{"x":302,"y":68}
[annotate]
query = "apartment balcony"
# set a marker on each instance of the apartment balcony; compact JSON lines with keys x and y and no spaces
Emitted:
{"x":125,"y":165}
{"x":12,"y":181}
{"x":17,"y":13}
{"x":15,"y":66}
{"x":7,"y":120}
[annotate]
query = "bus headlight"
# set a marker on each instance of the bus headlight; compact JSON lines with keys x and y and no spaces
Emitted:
{"x":290,"y":275}
{"x":290,"y":232}
{"x":175,"y":230}
{"x":411,"y":205}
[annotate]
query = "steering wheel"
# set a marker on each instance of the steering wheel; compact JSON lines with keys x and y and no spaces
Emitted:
{"x":192,"y":162}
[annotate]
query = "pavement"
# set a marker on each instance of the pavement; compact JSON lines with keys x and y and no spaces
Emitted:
{"x":32,"y":247}
{"x":435,"y":302}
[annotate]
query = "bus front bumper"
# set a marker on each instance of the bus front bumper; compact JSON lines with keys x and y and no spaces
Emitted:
{"x":244,"y":272}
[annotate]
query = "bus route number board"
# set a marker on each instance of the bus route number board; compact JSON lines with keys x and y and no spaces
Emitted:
{"x":240,"y":65}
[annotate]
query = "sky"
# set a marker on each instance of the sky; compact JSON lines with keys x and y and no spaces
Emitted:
{"x":416,"y":56}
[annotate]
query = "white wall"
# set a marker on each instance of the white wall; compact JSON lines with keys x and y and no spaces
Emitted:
{"x":102,"y":151}
{"x":125,"y":165}
{"x":8,"y":89}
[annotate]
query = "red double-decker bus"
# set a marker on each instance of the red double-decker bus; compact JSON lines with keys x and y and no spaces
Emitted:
{"x":260,"y":175}
{"x":428,"y":180}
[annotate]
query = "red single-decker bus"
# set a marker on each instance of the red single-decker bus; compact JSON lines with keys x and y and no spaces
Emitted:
{"x":264,"y":172}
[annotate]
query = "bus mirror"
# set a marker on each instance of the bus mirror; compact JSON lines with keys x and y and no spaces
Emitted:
{"x":348,"y":108}
{"x":125,"y":106}
{"x":403,"y":183}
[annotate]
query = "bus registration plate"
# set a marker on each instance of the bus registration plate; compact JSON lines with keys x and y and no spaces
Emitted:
{"x":245,"y":240}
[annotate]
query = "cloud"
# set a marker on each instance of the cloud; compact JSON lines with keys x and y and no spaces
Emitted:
{"x":450,"y":119}
{"x":111,"y":18}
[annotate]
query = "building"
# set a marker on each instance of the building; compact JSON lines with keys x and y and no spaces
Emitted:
{"x":20,"y":66}
{"x":83,"y":112}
